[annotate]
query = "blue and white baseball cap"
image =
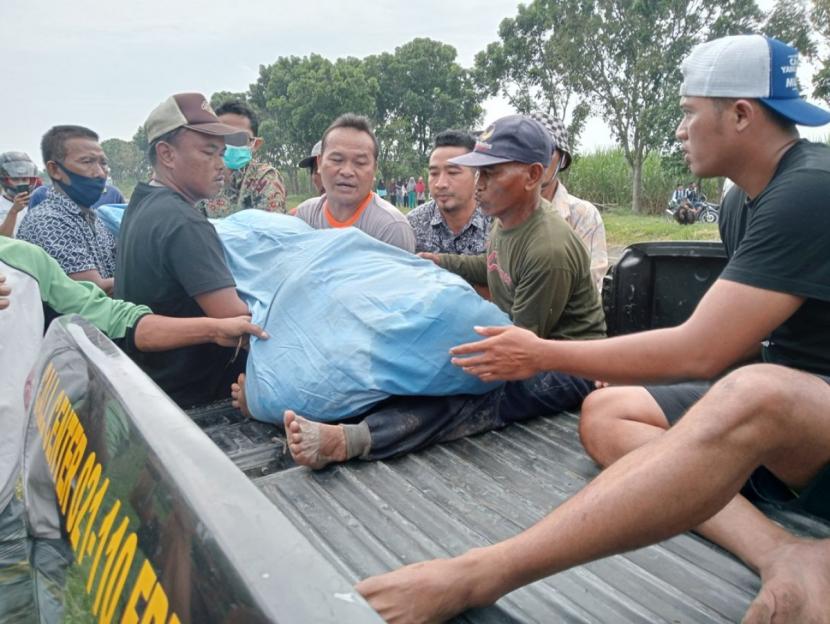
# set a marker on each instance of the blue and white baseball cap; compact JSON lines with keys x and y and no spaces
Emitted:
{"x":510,"y":139}
{"x":750,"y":66}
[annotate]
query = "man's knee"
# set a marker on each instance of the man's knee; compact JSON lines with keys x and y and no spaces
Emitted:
{"x":603,"y":409}
{"x":757,"y":394}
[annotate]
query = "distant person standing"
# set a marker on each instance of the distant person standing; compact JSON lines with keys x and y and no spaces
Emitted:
{"x":249,"y":183}
{"x":392,"y":189}
{"x":410,"y":193}
{"x":400,"y":191}
{"x":420,"y":191}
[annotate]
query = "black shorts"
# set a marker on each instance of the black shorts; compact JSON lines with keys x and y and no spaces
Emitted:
{"x":676,"y":399}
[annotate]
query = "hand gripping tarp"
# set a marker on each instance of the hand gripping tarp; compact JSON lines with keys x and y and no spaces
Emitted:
{"x":352,"y":320}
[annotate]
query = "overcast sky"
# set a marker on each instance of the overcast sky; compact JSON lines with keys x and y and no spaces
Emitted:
{"x":107,"y":64}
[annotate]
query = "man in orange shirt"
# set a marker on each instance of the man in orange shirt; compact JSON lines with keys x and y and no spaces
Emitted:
{"x":348,"y":164}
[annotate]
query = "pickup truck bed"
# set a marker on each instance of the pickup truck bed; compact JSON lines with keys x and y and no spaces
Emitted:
{"x":202,"y":517}
{"x":370,"y":517}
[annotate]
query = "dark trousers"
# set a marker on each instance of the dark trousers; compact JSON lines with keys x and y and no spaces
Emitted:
{"x":404,"y":424}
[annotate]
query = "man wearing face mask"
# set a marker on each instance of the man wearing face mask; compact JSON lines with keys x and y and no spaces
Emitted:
{"x":18,"y":177}
{"x":64,"y":224}
{"x":248,"y":182}
{"x":581,"y":215}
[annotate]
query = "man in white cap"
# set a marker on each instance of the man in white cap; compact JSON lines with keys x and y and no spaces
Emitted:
{"x":740,"y":105}
{"x":169,"y":255}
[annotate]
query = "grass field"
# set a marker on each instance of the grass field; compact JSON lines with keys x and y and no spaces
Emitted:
{"x":622,"y":228}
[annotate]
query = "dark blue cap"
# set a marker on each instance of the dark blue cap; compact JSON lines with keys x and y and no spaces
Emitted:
{"x":514,"y":138}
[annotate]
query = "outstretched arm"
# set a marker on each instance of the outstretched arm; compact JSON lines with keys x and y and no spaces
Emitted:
{"x":728,"y":325}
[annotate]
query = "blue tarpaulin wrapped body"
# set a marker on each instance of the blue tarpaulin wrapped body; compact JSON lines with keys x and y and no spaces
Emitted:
{"x":111,"y":215}
{"x":352,"y":320}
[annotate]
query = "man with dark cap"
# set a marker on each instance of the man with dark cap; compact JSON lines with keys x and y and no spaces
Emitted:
{"x":536,"y":268}
{"x":169,"y":255}
{"x":311,"y":163}
{"x":581,"y":215}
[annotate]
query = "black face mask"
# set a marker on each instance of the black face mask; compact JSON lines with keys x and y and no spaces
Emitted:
{"x":83,"y":191}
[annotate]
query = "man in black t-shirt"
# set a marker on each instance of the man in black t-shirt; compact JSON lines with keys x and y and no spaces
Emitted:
{"x":169,"y":255}
{"x":740,"y":109}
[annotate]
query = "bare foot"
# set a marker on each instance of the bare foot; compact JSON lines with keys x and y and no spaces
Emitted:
{"x":238,"y":396}
{"x":314,"y":444}
{"x":430,"y":591}
{"x":796,"y":585}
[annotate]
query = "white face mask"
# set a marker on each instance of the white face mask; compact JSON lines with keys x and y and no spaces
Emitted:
{"x":550,"y":180}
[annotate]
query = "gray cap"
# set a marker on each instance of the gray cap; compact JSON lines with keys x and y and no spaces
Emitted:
{"x":309,"y":160}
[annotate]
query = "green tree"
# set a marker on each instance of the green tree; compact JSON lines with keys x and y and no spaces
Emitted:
{"x":298,"y":99}
{"x":525,"y":68}
{"x":424,"y":91}
{"x":220,"y":97}
{"x":789,"y":21}
{"x":625,"y":55}
{"x":128,"y":165}
{"x":820,"y":19}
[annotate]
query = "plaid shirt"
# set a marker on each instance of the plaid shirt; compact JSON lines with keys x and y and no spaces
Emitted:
{"x":434,"y":235}
{"x":71,"y":234}
{"x":586,"y":221}
{"x":257,"y":185}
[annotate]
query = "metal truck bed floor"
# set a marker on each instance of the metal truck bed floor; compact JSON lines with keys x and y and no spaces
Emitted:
{"x":370,"y":517}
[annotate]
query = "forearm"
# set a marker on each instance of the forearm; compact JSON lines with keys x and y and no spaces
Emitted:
{"x":7,"y":227}
{"x":161,"y":333}
{"x":471,"y":268}
{"x":660,"y":355}
{"x":106,"y":284}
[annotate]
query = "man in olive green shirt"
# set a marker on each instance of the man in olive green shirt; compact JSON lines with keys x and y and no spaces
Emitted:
{"x":538,"y":271}
{"x":536,"y":268}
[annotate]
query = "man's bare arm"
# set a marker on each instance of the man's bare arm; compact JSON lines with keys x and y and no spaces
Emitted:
{"x":106,"y":284}
{"x":222,"y":303}
{"x":160,"y":333}
{"x":725,"y":328}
